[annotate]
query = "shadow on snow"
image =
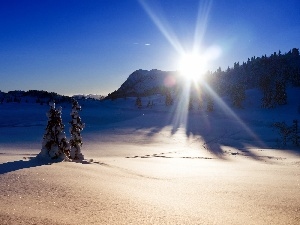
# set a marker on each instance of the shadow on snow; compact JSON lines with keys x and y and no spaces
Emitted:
{"x":22,"y":164}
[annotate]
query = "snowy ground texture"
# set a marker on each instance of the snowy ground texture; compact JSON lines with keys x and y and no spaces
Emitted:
{"x":155,"y":165}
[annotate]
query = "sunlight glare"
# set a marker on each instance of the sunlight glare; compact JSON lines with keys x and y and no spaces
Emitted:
{"x":192,"y":66}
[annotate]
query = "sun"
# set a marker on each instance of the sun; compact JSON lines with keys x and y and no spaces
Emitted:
{"x":192,"y":66}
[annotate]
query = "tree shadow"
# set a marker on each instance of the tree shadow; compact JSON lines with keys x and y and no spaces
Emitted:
{"x":36,"y":162}
{"x":211,"y":131}
{"x":23,"y":164}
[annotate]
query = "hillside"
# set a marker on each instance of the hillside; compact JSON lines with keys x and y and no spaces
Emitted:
{"x":145,"y":83}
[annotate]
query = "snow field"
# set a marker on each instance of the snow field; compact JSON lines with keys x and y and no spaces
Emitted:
{"x":148,"y":169}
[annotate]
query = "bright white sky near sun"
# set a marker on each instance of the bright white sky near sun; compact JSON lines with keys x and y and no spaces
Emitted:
{"x":72,"y":47}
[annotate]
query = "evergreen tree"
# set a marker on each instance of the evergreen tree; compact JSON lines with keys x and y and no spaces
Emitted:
{"x":138,"y":102}
{"x":200,"y":103}
{"x":148,"y":104}
{"x":55,"y":144}
{"x":268,"y":99}
{"x":268,"y":95}
{"x":280,"y":94}
{"x":169,"y":99}
{"x":191,"y":106}
{"x":238,"y":95}
{"x":288,"y":133}
{"x":295,"y":133}
{"x":75,"y":129}
{"x":199,"y":99}
{"x":210,"y":104}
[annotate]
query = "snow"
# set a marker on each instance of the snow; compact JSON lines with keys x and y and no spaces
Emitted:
{"x":146,"y":166}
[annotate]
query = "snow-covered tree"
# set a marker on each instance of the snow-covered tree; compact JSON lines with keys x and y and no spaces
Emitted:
{"x":55,"y":144}
{"x":75,"y":129}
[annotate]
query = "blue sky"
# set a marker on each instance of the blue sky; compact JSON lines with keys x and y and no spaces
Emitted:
{"x":73,"y":46}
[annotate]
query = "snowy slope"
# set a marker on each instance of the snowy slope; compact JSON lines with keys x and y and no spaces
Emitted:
{"x":159,"y":165}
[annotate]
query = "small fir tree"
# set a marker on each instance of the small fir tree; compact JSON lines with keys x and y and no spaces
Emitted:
{"x":295,"y":133}
{"x":200,"y":104}
{"x":284,"y":131}
{"x":191,"y":105}
{"x":169,"y":99}
{"x":288,"y":133}
{"x":55,"y":144}
{"x":138,"y":102}
{"x":238,"y":95}
{"x":268,"y":100}
{"x":200,"y":101}
{"x":266,"y":86}
{"x":280,"y":93}
{"x":149,"y":104}
{"x":210,"y":104}
{"x":75,"y":129}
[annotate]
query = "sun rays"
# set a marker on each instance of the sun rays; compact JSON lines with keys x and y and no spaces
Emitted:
{"x":193,"y":65}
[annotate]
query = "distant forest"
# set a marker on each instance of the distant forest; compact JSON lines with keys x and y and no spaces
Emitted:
{"x":43,"y":97}
{"x":33,"y":96}
{"x":270,"y":74}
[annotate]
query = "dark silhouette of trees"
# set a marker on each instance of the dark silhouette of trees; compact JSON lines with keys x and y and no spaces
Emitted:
{"x":267,"y":90}
{"x":36,"y":96}
{"x":271,"y":74}
{"x":288,"y":134}
{"x":280,"y":93}
{"x":237,"y":94}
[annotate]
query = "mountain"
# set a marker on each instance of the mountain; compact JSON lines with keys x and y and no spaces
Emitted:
{"x":144,"y":83}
